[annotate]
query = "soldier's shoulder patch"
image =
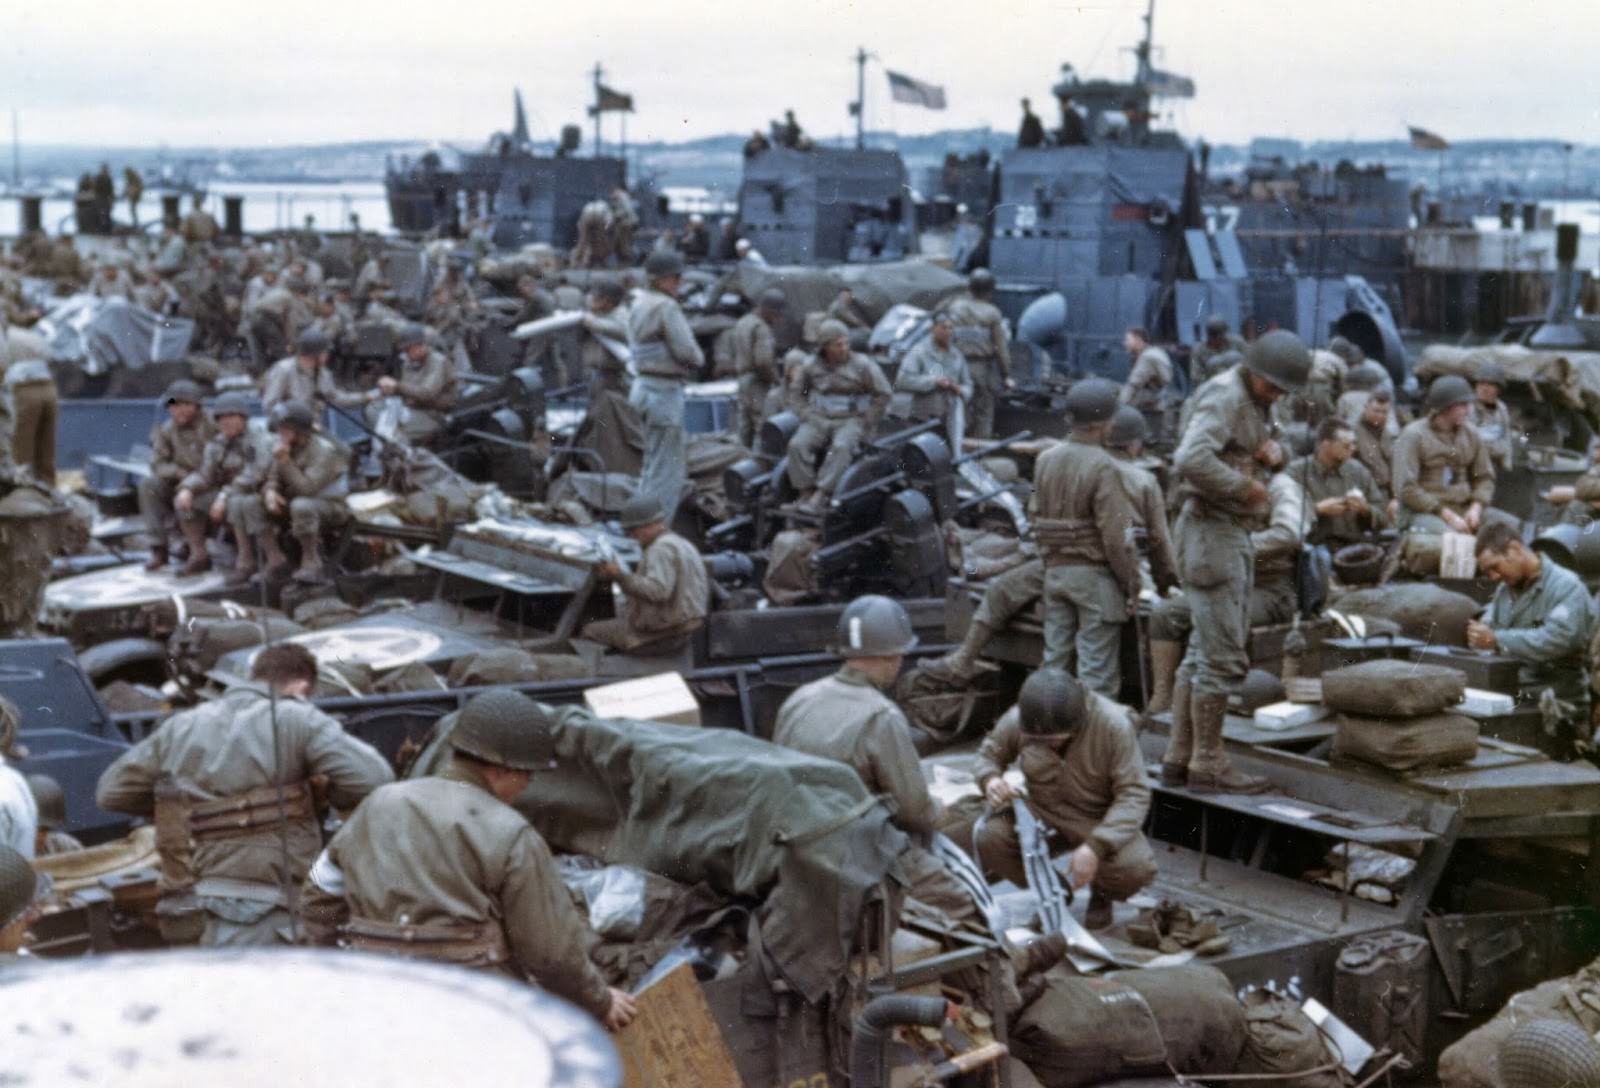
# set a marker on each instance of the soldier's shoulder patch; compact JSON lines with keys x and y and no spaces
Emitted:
{"x":1559,"y":612}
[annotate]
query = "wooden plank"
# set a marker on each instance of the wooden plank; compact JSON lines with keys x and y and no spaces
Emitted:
{"x":674,"y":1042}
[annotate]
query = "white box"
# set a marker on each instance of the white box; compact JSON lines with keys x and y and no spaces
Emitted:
{"x":1277,"y":717}
{"x":660,"y":698}
{"x":1483,"y":704}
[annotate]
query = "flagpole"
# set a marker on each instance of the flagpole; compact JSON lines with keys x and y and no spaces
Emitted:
{"x":861,"y":96}
{"x":598,"y":113}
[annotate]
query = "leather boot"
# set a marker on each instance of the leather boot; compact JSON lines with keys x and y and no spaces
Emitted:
{"x":962,"y":662}
{"x":310,"y":559}
{"x":1165,"y":657}
{"x":272,"y":556}
{"x":245,"y":568}
{"x":158,"y":556}
{"x":194,"y":533}
{"x":1180,"y":742}
{"x":1099,"y":914}
{"x":1209,"y":769}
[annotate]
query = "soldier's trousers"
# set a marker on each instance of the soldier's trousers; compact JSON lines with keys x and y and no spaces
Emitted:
{"x":1120,"y":876}
{"x":33,"y":436}
{"x":239,"y":932}
{"x":980,"y":409}
{"x":1084,"y":610}
{"x":155,"y":506}
{"x":839,"y":437}
{"x":1271,"y":601}
{"x":1217,"y":569}
{"x":750,"y":409}
{"x":1006,"y":594}
{"x":307,"y":516}
{"x":659,"y":402}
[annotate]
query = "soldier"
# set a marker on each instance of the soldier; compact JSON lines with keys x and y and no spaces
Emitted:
{"x":1490,"y":415}
{"x":426,"y":385}
{"x":199,"y":228}
{"x":936,"y":376}
{"x":1150,"y":374}
{"x":1541,"y":614}
{"x":1031,"y":132}
{"x":1085,"y":781}
{"x":848,"y":718}
{"x":1375,"y":446}
{"x":755,"y":361}
{"x":1442,"y":473}
{"x":981,"y":336}
{"x":36,"y":412}
{"x":1347,"y":502}
{"x":304,"y":481}
{"x":303,"y":377}
{"x":1082,"y":526}
{"x":232,"y":464}
{"x":605,"y":322}
{"x":665,"y":357}
{"x":52,"y":801}
{"x":177,"y":447}
{"x":133,"y":189}
{"x":233,"y":786}
{"x":624,"y":221}
{"x":1204,"y":361}
{"x":1226,"y":447}
{"x":840,"y":397}
{"x":1125,"y":442}
{"x":843,"y":309}
{"x":19,"y":812}
{"x":666,"y":598}
{"x":488,"y":893}
{"x":749,"y":254}
{"x":21,"y":892}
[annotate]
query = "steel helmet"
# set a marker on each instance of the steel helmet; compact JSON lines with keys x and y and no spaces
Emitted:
{"x":831,"y":329}
{"x":874,"y":626}
{"x":640,"y":510}
{"x":1447,"y":391}
{"x":293,"y":414}
{"x":184,"y":391}
{"x":1281,"y":358}
{"x":773,"y":300}
{"x":1549,"y":1053}
{"x":663,"y":263}
{"x":231,"y":404}
{"x":19,"y":886}
{"x":1051,"y":704}
{"x":506,"y":728}
{"x":313,"y":341}
{"x":410,"y":335}
{"x":981,"y":281}
{"x":1365,"y":376}
{"x":1127,"y":427}
{"x":1216,"y":326}
{"x":51,"y":799}
{"x":1347,"y":350}
{"x":1492,"y":374}
{"x":1091,"y":400}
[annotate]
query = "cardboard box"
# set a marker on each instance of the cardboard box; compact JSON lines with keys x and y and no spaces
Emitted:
{"x":660,"y":698}
{"x":1278,"y":716}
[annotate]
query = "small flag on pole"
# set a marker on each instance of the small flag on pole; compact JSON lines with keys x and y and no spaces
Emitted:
{"x":1167,"y":85}
{"x":902,"y":88}
{"x":1423,"y":140}
{"x":609,"y":101}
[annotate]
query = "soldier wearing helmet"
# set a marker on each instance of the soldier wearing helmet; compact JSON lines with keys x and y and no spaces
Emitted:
{"x":229,"y":784}
{"x":232,"y":464}
{"x":21,"y":892}
{"x":755,"y":361}
{"x":304,"y":377}
{"x":1489,"y":413}
{"x":1124,"y":441}
{"x":665,"y":357}
{"x":605,"y":324}
{"x":52,"y":837}
{"x":486,"y":894}
{"x":1443,"y":475}
{"x":1085,"y":777}
{"x":1150,"y":372}
{"x":1205,"y":360}
{"x":938,"y":379}
{"x":840,"y":396}
{"x":667,"y":597}
{"x":1082,"y":522}
{"x":980,"y":335}
{"x":426,"y":385}
{"x":1224,"y":456}
{"x":177,"y":446}
{"x":304,"y":483}
{"x":848,"y":718}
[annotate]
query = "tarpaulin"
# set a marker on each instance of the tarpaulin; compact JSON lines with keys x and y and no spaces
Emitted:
{"x":105,"y":333}
{"x":1571,"y":378}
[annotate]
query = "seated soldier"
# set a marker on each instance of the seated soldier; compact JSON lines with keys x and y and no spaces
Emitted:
{"x":1086,"y":783}
{"x":1375,"y":445}
{"x":1340,"y":489}
{"x":1491,"y":416}
{"x":51,"y":838}
{"x":667,"y":597}
{"x":426,"y":385}
{"x":840,"y":396}
{"x":304,"y":483}
{"x":1541,"y":614}
{"x":203,"y":495}
{"x":177,"y":446}
{"x":304,"y":377}
{"x":1442,"y":473}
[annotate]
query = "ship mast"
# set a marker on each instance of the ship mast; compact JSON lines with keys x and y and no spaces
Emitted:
{"x":598,"y":113}
{"x":1142,"y":77}
{"x":859,"y":106}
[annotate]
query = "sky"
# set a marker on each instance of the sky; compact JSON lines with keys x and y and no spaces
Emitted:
{"x":235,"y":73}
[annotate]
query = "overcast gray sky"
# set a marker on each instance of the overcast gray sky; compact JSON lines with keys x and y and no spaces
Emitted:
{"x":312,"y":71}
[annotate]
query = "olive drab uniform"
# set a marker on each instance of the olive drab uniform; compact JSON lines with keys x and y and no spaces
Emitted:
{"x":229,"y":468}
{"x":919,"y":374}
{"x":1202,"y":367}
{"x":1321,"y":482}
{"x":981,"y":336}
{"x":427,"y":387}
{"x":1149,"y":514}
{"x":665,"y":356}
{"x":287,"y":380}
{"x":1148,"y":381}
{"x":1435,"y":470}
{"x":601,"y":367}
{"x":175,"y":452}
{"x":1214,"y":466}
{"x":313,"y":481}
{"x":231,"y":842}
{"x":1494,"y":427}
{"x":1082,"y":527}
{"x":838,"y":406}
{"x":486,"y":893}
{"x":1375,"y":451}
{"x":755,"y":361}
{"x":667,"y":601}
{"x":844,"y":717}
{"x":1547,"y":628}
{"x":1092,"y":792}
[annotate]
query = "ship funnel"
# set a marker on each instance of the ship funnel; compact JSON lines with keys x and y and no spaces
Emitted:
{"x":1559,"y":330}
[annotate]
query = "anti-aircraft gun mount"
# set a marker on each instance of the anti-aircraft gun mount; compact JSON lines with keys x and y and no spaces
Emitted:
{"x":881,"y":530}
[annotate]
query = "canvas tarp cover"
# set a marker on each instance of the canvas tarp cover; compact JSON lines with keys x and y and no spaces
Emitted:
{"x":875,"y":287}
{"x":104,"y":334}
{"x":1572,"y":378}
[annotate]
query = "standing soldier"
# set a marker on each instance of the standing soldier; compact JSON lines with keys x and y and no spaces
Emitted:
{"x":487,"y":894}
{"x":667,"y":597}
{"x":981,"y":336}
{"x":1125,"y":443}
{"x":840,"y":396}
{"x":36,"y":407}
{"x":232,"y":459}
{"x":1220,"y":464}
{"x":1442,"y":473}
{"x":233,"y":786}
{"x":665,"y":357}
{"x":305,"y":483}
{"x":755,"y":360}
{"x":1082,"y":525}
{"x":1150,"y":375}
{"x":1490,"y":415}
{"x":605,"y":323}
{"x":1203,"y":357}
{"x":624,"y":221}
{"x":936,"y":376}
{"x":177,"y":446}
{"x":133,"y":189}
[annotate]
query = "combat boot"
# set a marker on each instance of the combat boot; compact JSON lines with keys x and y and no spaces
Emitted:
{"x":245,"y":568}
{"x":962,"y":663}
{"x":1209,"y":769}
{"x":1165,"y":657}
{"x":1180,"y":741}
{"x":194,"y":533}
{"x":158,"y":556}
{"x":310,"y":559}
{"x":1100,"y":912}
{"x":272,"y":557}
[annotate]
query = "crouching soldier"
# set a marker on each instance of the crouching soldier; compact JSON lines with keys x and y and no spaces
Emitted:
{"x":304,"y":483}
{"x":204,"y":494}
{"x":177,"y":446}
{"x":1085,"y":780}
